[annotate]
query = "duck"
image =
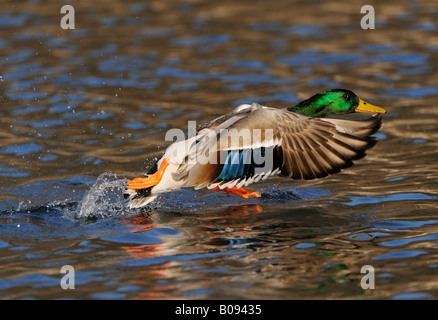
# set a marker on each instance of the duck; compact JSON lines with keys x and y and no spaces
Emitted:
{"x":310,"y":140}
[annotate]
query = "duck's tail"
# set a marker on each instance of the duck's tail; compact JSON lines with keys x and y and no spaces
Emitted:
{"x":139,"y":197}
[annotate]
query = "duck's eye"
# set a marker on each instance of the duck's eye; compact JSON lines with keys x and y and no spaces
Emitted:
{"x":345,"y":96}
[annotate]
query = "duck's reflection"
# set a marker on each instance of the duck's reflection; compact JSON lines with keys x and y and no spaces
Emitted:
{"x":232,"y":222}
{"x":171,"y":265}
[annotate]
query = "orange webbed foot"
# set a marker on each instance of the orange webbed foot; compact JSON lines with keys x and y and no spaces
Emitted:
{"x":242,"y":192}
{"x":150,"y":180}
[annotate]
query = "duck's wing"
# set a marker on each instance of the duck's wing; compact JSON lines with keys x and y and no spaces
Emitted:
{"x":317,"y":147}
{"x":257,"y":142}
{"x":234,"y":115}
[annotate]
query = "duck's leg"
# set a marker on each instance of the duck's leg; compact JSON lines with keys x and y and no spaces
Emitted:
{"x":244,"y":193}
{"x":150,"y":180}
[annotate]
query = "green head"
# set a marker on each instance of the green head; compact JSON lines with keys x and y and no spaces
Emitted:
{"x":334,"y":102}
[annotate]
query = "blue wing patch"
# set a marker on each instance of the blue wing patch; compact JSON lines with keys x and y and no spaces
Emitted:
{"x":240,"y":164}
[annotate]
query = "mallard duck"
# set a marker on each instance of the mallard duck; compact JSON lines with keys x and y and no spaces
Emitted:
{"x":254,"y":142}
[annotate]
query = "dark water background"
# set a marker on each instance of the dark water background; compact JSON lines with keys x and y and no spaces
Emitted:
{"x":82,"y":111}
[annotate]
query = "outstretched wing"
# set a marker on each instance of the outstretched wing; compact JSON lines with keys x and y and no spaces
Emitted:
{"x":315,"y":148}
{"x":257,"y":142}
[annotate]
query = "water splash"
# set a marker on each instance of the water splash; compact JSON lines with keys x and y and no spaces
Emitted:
{"x":104,"y":199}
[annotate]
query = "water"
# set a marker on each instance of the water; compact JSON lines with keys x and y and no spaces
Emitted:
{"x":84,"y":110}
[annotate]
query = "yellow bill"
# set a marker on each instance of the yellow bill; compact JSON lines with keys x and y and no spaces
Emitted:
{"x":368,"y":108}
